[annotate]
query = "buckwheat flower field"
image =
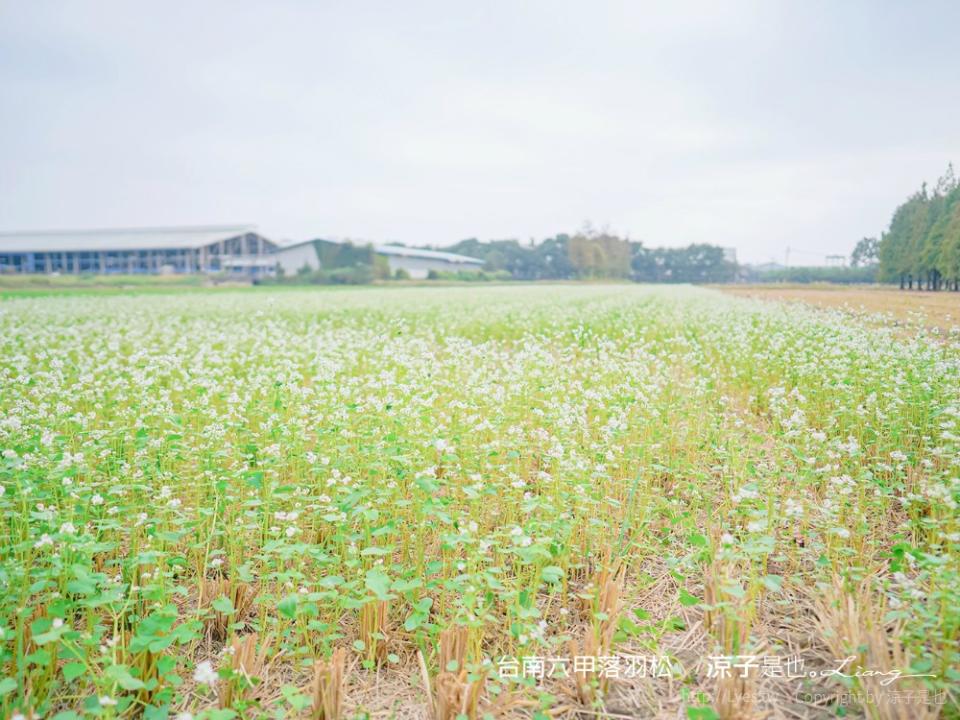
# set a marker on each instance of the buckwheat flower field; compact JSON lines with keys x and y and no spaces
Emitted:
{"x":531,"y":501}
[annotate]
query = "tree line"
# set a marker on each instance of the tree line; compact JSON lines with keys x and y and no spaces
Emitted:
{"x":587,"y":255}
{"x":590,"y":255}
{"x":865,"y":274}
{"x":922,"y":244}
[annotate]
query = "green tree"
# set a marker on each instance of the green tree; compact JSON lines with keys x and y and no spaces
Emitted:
{"x":919,"y":244}
{"x":867,"y":252}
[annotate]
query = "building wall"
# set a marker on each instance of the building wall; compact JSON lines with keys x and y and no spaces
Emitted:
{"x":137,"y":260}
{"x":293,"y":259}
{"x":102,"y":262}
{"x":208,"y":259}
{"x":419,"y":268}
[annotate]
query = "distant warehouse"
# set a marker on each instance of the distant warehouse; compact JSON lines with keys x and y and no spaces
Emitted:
{"x":237,"y":250}
{"x":206,"y":249}
{"x":326,"y":254}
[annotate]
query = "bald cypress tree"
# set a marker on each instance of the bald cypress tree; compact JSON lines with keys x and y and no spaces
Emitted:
{"x":918,"y":245}
{"x":949,"y":233}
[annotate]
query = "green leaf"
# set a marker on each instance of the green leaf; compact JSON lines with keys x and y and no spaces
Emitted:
{"x":702,"y":713}
{"x":552,"y":574}
{"x":697,"y":540}
{"x":378,"y":582}
{"x":244,"y":573}
{"x":120,"y":674}
{"x":733,"y":589}
{"x":223,"y":605}
{"x":427,"y":485}
{"x":763,"y":545}
{"x":221,"y":714}
{"x":406,"y":585}
{"x":49,"y":636}
{"x":772,"y":582}
{"x":7,"y":686}
{"x":73,"y":670}
{"x":688,"y":600}
{"x":374,"y":551}
{"x":298,"y":701}
{"x":288,"y":606}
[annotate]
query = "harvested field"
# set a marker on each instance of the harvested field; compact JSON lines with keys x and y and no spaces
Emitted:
{"x":940,"y":310}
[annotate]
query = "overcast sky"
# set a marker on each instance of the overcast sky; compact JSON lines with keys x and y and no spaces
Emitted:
{"x":758,"y":125}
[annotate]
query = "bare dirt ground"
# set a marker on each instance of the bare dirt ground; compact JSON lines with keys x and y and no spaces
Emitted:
{"x":940,"y":310}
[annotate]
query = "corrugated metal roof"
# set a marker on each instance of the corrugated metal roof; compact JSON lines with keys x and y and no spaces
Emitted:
{"x":119,"y":239}
{"x":426,"y":254}
{"x":398,"y":250}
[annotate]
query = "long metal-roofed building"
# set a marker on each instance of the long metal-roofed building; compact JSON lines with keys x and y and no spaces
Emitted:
{"x":208,"y":248}
{"x":418,"y":262}
{"x":328,"y":254}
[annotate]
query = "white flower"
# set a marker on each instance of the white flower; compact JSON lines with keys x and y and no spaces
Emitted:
{"x":107,"y":701}
{"x":58,"y":622}
{"x":44,"y":540}
{"x":745,"y":493}
{"x":797,"y":420}
{"x":184,"y":716}
{"x":68,"y":528}
{"x":2,"y":490}
{"x":97,"y":499}
{"x":793,"y":508}
{"x":205,"y":674}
